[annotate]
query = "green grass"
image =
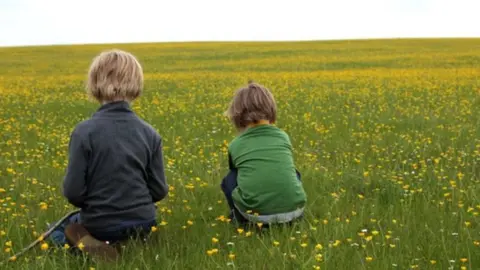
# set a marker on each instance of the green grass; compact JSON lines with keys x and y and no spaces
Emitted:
{"x":386,"y":134}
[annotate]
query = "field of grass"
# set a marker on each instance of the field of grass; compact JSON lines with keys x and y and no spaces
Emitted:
{"x":386,"y":134}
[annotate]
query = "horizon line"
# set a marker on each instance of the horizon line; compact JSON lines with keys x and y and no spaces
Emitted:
{"x":66,"y":44}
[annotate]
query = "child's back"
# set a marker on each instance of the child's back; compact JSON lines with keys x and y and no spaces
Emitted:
{"x":122,"y":181}
{"x":267,"y":179}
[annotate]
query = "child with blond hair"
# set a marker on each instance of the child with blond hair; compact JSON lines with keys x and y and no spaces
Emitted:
{"x":263,"y":185}
{"x":115,"y":171}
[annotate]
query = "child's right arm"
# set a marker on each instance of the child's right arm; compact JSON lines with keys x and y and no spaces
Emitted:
{"x":156,"y":181}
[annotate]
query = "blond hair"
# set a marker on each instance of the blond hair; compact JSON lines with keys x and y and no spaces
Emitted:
{"x":115,"y":75}
{"x":250,"y":105}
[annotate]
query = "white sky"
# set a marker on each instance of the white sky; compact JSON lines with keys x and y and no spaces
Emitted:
{"x":38,"y":22}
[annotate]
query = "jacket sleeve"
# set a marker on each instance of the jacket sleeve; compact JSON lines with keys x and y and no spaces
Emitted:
{"x":156,"y":182}
{"x":74,"y":184}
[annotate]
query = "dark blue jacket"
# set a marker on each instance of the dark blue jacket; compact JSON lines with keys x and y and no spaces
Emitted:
{"x":115,"y":170}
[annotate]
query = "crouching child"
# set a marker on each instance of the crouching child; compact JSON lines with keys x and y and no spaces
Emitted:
{"x":115,"y":171}
{"x":263,"y":185}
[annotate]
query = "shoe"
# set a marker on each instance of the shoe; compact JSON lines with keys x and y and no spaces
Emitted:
{"x":81,"y":238}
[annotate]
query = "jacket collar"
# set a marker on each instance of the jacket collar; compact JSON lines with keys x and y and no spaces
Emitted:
{"x":121,"y":107}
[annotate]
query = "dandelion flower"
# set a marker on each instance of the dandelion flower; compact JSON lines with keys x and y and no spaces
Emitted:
{"x":369,"y":259}
{"x":44,"y":246}
{"x":43,"y":206}
{"x":212,"y":251}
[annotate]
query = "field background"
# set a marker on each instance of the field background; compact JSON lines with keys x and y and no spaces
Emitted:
{"x":386,"y":134}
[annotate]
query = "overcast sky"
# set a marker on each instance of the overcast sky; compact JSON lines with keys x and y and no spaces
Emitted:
{"x":35,"y":22}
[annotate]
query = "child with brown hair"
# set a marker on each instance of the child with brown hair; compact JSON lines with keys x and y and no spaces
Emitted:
{"x":115,"y":172}
{"x":263,"y":185}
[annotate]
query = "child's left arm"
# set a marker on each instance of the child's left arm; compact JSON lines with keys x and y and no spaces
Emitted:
{"x":74,"y":185}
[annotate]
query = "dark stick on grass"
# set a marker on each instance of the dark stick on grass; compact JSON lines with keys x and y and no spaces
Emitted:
{"x":42,"y":237}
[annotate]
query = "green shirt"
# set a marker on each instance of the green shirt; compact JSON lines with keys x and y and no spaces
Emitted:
{"x":267,"y":179}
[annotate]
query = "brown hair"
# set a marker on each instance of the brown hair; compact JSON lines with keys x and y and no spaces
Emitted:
{"x":252,"y":104}
{"x":115,"y":75}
